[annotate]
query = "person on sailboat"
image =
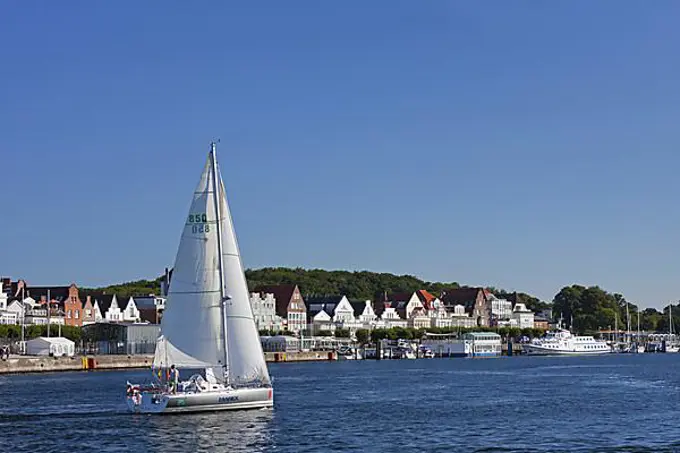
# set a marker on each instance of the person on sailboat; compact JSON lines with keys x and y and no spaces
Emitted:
{"x":174,"y":379}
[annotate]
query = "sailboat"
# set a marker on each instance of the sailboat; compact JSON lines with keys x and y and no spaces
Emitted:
{"x":671,"y":344}
{"x":207,"y":329}
{"x":640,"y":346}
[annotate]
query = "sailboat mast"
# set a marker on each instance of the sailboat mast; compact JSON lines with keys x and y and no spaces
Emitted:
{"x":627,"y":323}
{"x":218,"y":214}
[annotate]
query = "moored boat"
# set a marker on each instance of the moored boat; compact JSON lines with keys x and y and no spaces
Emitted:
{"x":562,"y":342}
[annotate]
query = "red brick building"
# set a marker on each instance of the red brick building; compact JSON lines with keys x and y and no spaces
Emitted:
{"x":63,"y":299}
{"x":475,"y":300}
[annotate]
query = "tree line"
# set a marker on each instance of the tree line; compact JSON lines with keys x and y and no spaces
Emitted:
{"x":589,"y":309}
{"x":13,"y":331}
{"x":358,"y":285}
{"x":582,"y":309}
{"x":365,"y":336}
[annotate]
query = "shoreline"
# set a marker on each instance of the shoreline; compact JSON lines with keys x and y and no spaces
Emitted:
{"x":38,"y":364}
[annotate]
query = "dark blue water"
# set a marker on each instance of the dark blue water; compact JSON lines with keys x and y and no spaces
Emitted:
{"x":522,"y":404}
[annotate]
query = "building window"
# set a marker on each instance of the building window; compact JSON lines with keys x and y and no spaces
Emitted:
{"x":68,"y":315}
{"x":77,"y":312}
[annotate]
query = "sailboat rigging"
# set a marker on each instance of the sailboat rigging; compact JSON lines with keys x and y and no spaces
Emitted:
{"x":207,"y":323}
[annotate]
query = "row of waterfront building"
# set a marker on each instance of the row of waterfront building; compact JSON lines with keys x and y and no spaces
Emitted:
{"x":283,"y":308}
{"x":279,"y":308}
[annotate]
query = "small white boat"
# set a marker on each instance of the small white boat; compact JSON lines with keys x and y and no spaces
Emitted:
{"x":349,"y":354}
{"x":207,"y":323}
{"x":562,"y":342}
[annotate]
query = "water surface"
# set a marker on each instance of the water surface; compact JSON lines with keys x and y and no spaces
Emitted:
{"x":616,"y":403}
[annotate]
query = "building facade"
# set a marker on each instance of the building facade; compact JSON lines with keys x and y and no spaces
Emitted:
{"x":263,"y":306}
{"x":290,"y":305}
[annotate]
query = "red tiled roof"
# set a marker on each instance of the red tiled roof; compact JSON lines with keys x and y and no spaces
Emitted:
{"x":426,"y":298}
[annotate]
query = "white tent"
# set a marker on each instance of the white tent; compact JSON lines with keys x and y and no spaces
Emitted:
{"x":56,"y":346}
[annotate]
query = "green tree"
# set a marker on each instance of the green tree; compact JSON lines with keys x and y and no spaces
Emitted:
{"x":342,"y":333}
{"x":363,"y":336}
{"x":567,"y":304}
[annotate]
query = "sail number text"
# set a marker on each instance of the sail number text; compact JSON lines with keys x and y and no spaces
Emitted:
{"x":199,"y":223}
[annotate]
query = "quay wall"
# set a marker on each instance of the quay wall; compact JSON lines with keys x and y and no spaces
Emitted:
{"x":49,"y":364}
{"x":25,"y":364}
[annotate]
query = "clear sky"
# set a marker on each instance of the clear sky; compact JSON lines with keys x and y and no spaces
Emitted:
{"x":525,"y":145}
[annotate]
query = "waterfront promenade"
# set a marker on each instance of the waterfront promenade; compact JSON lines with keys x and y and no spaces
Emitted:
{"x":33,"y":364}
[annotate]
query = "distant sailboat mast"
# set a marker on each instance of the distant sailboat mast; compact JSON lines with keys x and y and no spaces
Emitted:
{"x":627,"y":325}
{"x":223,"y":299}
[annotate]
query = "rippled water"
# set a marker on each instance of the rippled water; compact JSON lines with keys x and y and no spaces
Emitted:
{"x":617,"y":403}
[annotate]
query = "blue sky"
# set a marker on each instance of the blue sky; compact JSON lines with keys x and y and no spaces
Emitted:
{"x":525,"y":145}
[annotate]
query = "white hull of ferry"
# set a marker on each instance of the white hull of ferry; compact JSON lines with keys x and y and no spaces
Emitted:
{"x":223,"y":400}
{"x":533,"y":349}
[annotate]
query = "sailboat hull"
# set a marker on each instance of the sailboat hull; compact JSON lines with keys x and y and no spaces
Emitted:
{"x":234,"y":399}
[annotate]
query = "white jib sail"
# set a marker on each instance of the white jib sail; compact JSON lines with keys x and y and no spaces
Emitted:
{"x":192,"y":320}
{"x":246,"y":359}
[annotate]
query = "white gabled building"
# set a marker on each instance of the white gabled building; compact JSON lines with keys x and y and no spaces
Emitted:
{"x":320,"y":322}
{"x":108,"y":307}
{"x":389,"y":317}
{"x":338,"y":308}
{"x":364,"y":314}
{"x":130,"y":312}
{"x":523,"y":317}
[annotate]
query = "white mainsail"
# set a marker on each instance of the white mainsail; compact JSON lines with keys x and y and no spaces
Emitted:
{"x":192,"y":320}
{"x":246,"y":359}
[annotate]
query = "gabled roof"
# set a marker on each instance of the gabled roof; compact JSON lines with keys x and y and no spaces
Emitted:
{"x":460,"y":296}
{"x":358,"y":306}
{"x":58,"y":293}
{"x":399,"y":297}
{"x":104,"y":301}
{"x":313,"y":309}
{"x":326,"y":315}
{"x":425,"y":298}
{"x":324,"y":300}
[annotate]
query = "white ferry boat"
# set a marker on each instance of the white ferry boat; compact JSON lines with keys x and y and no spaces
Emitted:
{"x":562,"y":342}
